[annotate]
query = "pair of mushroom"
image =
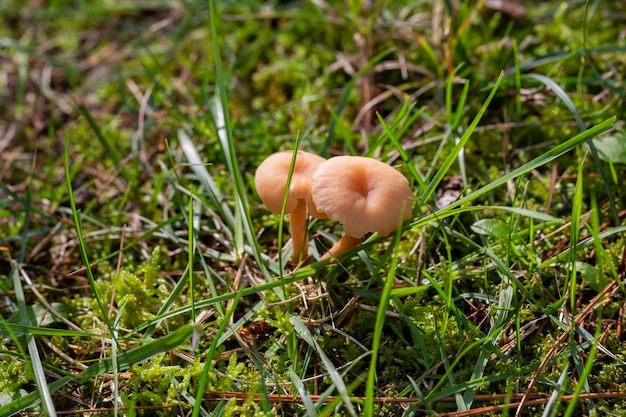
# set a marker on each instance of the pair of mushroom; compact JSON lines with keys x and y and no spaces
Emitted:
{"x":364,"y":194}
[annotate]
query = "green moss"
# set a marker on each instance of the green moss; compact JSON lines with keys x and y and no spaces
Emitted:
{"x":157,"y":381}
{"x":249,"y":409}
{"x":14,"y":375}
{"x":138,"y":290}
{"x":141,"y":292}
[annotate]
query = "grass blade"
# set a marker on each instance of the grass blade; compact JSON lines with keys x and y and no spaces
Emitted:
{"x":575,"y":226}
{"x":503,"y":308}
{"x":323,"y":151}
{"x":32,"y":399}
{"x":33,"y":351}
{"x":193,"y":225}
{"x":547,"y":157}
{"x":447,"y":163}
{"x":211,"y":353}
{"x":311,"y":411}
{"x":553,"y":403}
{"x":199,"y":168}
{"x":583,"y":380}
{"x":551,"y":84}
{"x":140,"y":354}
{"x":82,"y":246}
{"x":25,"y":317}
{"x":108,"y":147}
{"x":334,"y":375}
{"x":381,"y":312}
{"x":221,"y":120}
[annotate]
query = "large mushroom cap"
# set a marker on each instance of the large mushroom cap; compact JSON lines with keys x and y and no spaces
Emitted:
{"x":364,"y":194}
{"x":271,"y":179}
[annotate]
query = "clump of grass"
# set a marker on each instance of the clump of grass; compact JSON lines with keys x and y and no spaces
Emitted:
{"x":140,"y":274}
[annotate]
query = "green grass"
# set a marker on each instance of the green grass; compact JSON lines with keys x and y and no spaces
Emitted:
{"x":141,"y":275}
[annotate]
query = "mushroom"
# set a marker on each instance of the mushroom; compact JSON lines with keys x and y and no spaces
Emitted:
{"x":271,"y":180}
{"x":364,"y":194}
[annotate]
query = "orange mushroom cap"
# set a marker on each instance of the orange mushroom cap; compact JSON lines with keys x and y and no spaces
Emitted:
{"x":271,"y":179}
{"x":364,"y":194}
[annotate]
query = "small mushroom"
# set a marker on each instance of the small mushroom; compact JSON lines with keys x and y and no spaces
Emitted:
{"x":364,"y":194}
{"x":271,"y":180}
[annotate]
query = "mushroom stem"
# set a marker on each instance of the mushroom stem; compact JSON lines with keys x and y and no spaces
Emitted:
{"x":344,"y":244}
{"x":297,"y":224}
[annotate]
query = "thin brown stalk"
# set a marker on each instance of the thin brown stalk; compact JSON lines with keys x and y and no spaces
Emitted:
{"x":536,"y":398}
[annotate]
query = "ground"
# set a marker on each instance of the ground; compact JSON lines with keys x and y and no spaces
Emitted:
{"x":142,"y":275}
